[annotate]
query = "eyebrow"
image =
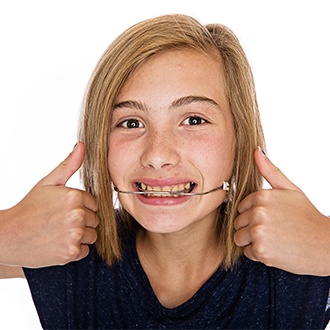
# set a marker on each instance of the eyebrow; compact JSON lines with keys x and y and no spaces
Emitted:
{"x":132,"y":105}
{"x":182,"y":101}
{"x":186,"y":100}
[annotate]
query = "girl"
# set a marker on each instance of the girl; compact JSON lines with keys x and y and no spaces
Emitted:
{"x":171,"y":123}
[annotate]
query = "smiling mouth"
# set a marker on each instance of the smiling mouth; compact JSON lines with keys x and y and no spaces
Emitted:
{"x":165,"y":191}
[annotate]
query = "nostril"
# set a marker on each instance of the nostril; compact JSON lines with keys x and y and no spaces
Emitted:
{"x":160,"y":152}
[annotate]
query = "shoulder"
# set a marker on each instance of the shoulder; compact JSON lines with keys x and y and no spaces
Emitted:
{"x":288,"y":288}
{"x":60,"y":272}
{"x":280,"y":276}
{"x":285,"y":286}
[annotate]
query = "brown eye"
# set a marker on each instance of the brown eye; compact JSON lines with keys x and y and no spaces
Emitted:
{"x":131,"y":123}
{"x":194,"y":120}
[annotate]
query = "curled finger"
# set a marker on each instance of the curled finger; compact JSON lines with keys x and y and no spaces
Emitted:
{"x":89,"y":201}
{"x":89,"y":237}
{"x":91,"y":219}
{"x":243,"y":237}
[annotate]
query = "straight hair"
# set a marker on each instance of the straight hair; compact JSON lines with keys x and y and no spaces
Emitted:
{"x":124,"y":55}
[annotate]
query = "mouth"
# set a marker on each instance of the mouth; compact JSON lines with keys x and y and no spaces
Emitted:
{"x":165,"y":191}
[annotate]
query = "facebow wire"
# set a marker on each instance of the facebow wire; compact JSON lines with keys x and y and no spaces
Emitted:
{"x":225,"y":186}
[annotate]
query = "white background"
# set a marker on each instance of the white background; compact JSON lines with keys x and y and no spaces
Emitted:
{"x":49,"y":49}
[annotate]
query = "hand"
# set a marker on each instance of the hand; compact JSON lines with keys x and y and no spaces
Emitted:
{"x":53,"y":224}
{"x":280,"y":227}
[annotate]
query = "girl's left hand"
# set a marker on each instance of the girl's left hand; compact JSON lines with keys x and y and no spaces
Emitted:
{"x":281,"y":227}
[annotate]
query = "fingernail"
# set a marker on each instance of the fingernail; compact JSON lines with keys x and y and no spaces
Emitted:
{"x":75,"y":146}
{"x":262,"y":151}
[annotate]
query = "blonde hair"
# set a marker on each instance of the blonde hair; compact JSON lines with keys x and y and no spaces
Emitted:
{"x":122,"y":57}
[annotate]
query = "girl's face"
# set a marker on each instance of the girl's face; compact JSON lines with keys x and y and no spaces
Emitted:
{"x":171,"y":127}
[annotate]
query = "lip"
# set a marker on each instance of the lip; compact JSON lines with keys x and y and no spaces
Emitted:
{"x":162,"y":201}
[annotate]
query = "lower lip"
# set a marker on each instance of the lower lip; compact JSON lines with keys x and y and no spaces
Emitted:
{"x":163,"y":201}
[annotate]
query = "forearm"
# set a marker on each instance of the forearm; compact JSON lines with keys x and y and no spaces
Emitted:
{"x":7,"y":240}
{"x":323,"y":250}
{"x":11,"y":272}
{"x":314,"y":256}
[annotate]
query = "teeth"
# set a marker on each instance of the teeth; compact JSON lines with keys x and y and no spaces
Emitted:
{"x":181,"y":188}
{"x":166,"y":188}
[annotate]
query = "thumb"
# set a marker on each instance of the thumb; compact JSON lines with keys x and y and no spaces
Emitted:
{"x":271,"y":173}
{"x":63,"y":172}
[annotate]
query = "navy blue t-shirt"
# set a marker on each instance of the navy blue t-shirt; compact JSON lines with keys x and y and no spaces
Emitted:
{"x":89,"y":294}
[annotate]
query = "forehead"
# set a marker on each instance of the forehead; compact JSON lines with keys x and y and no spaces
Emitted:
{"x":175,"y":73}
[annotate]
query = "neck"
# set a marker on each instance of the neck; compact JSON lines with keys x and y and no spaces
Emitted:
{"x":182,"y":248}
{"x":178,"y":264}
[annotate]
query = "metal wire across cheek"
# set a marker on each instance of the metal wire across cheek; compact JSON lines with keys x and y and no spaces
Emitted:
{"x":225,"y":186}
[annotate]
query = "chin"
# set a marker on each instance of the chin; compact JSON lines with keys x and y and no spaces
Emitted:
{"x":162,"y":226}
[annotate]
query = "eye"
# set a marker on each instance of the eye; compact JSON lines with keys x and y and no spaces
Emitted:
{"x":131,"y":123}
{"x":194,"y":120}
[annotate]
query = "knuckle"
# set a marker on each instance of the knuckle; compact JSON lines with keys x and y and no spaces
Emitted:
{"x":76,"y":235}
{"x":77,"y":216}
{"x":258,"y":214}
{"x":257,"y":232}
{"x":263,"y":196}
{"x":259,"y":251}
{"x":73,"y":247}
{"x":72,"y":252}
{"x":74,"y":196}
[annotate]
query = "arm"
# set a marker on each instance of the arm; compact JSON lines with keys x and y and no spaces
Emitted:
{"x":53,"y":224}
{"x":11,"y":272}
{"x":280,"y":227}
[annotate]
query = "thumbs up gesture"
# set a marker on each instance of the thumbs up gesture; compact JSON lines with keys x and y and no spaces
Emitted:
{"x":280,"y":226}
{"x":53,"y":224}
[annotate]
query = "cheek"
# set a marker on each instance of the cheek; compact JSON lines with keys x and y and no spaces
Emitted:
{"x":122,"y":158}
{"x":214,"y":155}
{"x":116,"y":159}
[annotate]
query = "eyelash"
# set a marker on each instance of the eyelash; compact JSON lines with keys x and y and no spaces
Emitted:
{"x":125,"y":123}
{"x":189,"y":121}
{"x":198,"y":121}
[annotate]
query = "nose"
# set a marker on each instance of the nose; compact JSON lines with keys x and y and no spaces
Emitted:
{"x":160,"y":150}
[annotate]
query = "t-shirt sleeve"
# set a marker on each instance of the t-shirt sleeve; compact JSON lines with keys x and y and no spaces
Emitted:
{"x":63,"y":294}
{"x":45,"y":283}
{"x":327,"y":312}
